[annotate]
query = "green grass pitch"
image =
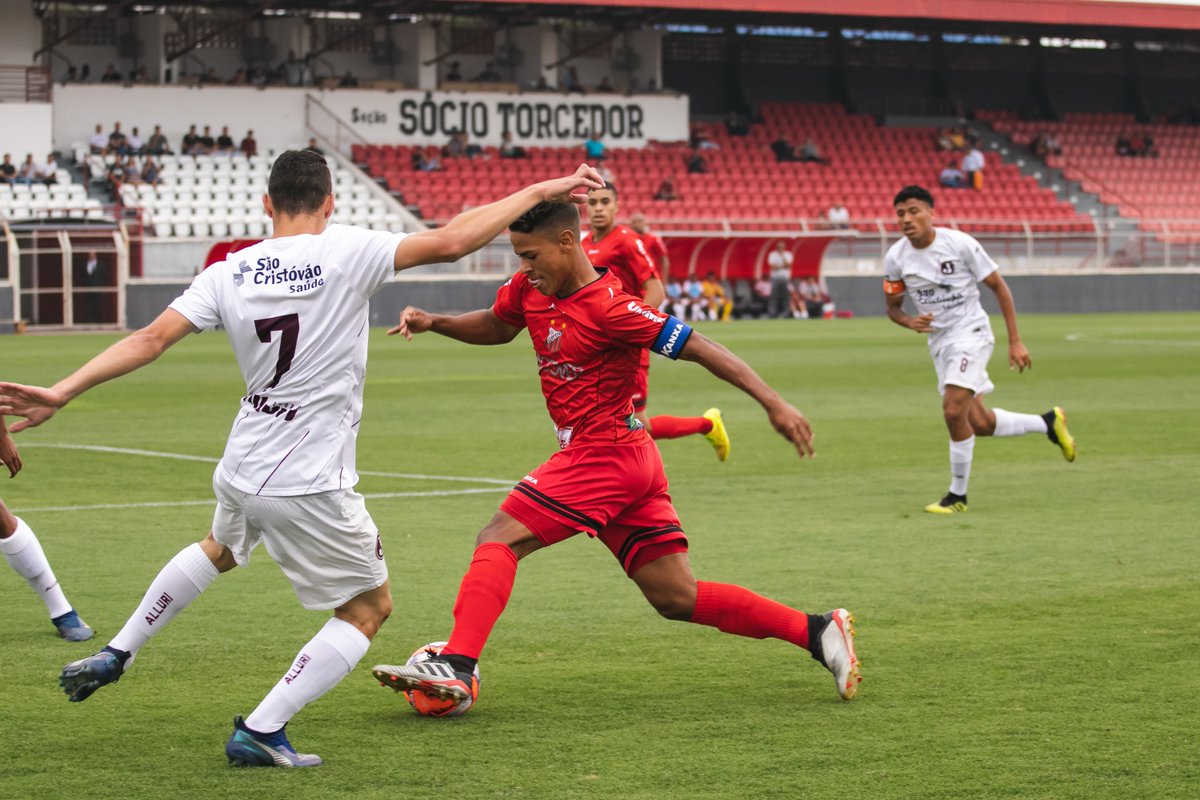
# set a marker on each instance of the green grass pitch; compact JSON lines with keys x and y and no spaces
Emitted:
{"x":1043,"y":645}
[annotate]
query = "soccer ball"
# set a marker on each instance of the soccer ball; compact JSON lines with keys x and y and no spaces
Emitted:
{"x":429,"y":706}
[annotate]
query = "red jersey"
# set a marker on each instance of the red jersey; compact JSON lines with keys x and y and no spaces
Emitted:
{"x":624,"y":252}
{"x":657,"y":250}
{"x":588,"y":348}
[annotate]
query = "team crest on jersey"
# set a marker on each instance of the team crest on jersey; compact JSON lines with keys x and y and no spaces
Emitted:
{"x":947,"y":267}
{"x":243,"y":268}
{"x":553,"y":340}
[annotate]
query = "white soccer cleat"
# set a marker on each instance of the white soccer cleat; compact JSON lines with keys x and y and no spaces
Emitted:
{"x":836,"y":651}
{"x":434,"y":677}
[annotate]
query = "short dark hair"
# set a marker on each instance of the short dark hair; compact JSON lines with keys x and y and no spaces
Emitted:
{"x":299,"y":182}
{"x":548,"y":216}
{"x":612,"y":187}
{"x":914,"y":192}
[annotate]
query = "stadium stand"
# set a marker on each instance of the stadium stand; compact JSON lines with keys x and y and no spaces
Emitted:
{"x":63,"y":198}
{"x":1163,"y":188}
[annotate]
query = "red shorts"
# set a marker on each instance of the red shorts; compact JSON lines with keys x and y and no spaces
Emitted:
{"x":615,"y":492}
{"x":641,"y":383}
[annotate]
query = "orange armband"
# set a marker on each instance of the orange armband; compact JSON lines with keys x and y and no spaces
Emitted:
{"x":893,"y":287}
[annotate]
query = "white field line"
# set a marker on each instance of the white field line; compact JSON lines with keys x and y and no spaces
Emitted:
{"x":501,"y":484}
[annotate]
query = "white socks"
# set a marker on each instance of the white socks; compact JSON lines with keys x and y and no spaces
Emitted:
{"x":319,"y":666}
{"x":24,"y":554}
{"x":180,"y":582}
{"x":961,"y":454}
{"x":1012,"y":424}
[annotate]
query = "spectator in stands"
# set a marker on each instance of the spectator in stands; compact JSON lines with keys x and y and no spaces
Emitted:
{"x":809,"y":300}
{"x":606,"y":172}
{"x":1045,"y":144}
{"x":489,"y":74}
{"x":571,"y":81}
{"x":294,"y":70}
{"x":737,"y":124}
{"x":423,"y":163}
{"x":8,"y":170}
{"x":699,"y":139}
{"x":951,"y":176}
{"x":85,"y":73}
{"x":943,"y":139}
{"x":209,"y":76}
{"x":508,"y":149}
{"x":454,"y":73}
{"x":542,"y":85}
{"x":225,"y":142}
{"x":1145,"y":146}
{"x":157,"y":144}
{"x":674,"y":303}
{"x":958,"y":138}
{"x":456,"y":147}
{"x":240,"y":78}
{"x":313,"y":147}
{"x":206,"y":144}
{"x":47,"y":171}
{"x":605,"y":85}
{"x":696,"y":163}
{"x":249,"y":146}
{"x":972,"y":165}
{"x":133,"y":173}
{"x":838,"y":215}
{"x":666,"y":190}
{"x":141,"y":76}
{"x":117,"y":142}
{"x":98,"y":142}
{"x":780,"y":261}
{"x":718,"y":302}
{"x":783,"y":149}
{"x":1125,"y":145}
{"x":150,"y":171}
{"x":27,"y":172}
{"x":190,"y":142}
{"x":134,"y":143}
{"x":811,"y":153}
{"x":110,"y":75}
{"x":348,"y":81}
{"x":593,"y":149}
{"x":71,"y":75}
{"x":115,"y":179}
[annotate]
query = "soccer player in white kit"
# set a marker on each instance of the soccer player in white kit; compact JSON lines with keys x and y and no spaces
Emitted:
{"x":295,"y":308}
{"x":941,"y":269}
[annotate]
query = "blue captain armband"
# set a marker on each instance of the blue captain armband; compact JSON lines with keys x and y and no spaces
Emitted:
{"x":674,"y":336}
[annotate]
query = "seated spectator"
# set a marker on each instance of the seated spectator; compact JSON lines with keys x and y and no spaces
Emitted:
{"x":111,"y":75}
{"x":47,"y":172}
{"x":604,"y":85}
{"x":240,"y":78}
{"x":815,"y":300}
{"x":209,"y":76}
{"x":943,"y":139}
{"x":838,"y":215}
{"x":696,"y":163}
{"x":225,"y":141}
{"x":249,"y":146}
{"x":593,"y":149}
{"x":313,"y":147}
{"x":150,"y":172}
{"x":1125,"y":145}
{"x":972,"y":164}
{"x":489,"y":74}
{"x":541,"y":85}
{"x":699,"y":139}
{"x":133,"y":173}
{"x":784,"y":151}
{"x":1145,"y":146}
{"x":423,"y":163}
{"x":570,"y":82}
{"x":737,"y":124}
{"x":8,"y":170}
{"x":157,"y":144}
{"x":115,"y":179}
{"x":958,"y":138}
{"x":693,"y":290}
{"x":454,"y":73}
{"x":116,"y":141}
{"x":1044,"y":144}
{"x":674,"y":303}
{"x":762,"y":297}
{"x":71,"y":75}
{"x":811,"y":153}
{"x":470,"y":150}
{"x":190,"y":143}
{"x":134,"y":143}
{"x":348,"y":81}
{"x":609,"y":176}
{"x":952,"y":177}
{"x":719,"y":305}
{"x":206,"y":144}
{"x":455,"y":148}
{"x":666,"y":190}
{"x":98,"y":142}
{"x":27,"y":172}
{"x":508,"y":149}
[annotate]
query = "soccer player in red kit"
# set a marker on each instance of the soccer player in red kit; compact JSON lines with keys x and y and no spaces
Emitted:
{"x":607,"y":478}
{"x":621,"y":249}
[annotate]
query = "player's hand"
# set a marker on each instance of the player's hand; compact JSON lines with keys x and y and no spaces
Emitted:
{"x":9,"y":456}
{"x":1018,"y":357}
{"x":922,"y":324}
{"x":561,"y":190}
{"x":792,"y":426}
{"x":412,"y":320}
{"x":35,"y":404}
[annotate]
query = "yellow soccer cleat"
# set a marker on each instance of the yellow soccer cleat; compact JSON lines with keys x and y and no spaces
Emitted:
{"x":950,"y":504}
{"x":1056,"y":424}
{"x":717,"y":437}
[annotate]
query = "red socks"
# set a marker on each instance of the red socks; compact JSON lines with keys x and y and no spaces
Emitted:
{"x":665,"y":427}
{"x":482,"y":596}
{"x":736,"y":610}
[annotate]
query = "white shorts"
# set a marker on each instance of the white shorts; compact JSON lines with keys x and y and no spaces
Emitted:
{"x":964,"y":363}
{"x":326,"y":543}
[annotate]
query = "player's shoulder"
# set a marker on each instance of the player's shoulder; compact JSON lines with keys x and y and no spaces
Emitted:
{"x":898,"y":248}
{"x":957,"y":238}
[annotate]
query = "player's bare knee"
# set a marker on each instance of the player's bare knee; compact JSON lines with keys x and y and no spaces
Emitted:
{"x":672,"y":602}
{"x":220,"y":555}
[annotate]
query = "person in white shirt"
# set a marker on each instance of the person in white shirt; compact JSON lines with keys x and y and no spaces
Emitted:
{"x":973,"y":162}
{"x":47,"y":172}
{"x":295,"y":309}
{"x":838,"y":215}
{"x":98,"y":141}
{"x":780,"y":261}
{"x":940,"y":270}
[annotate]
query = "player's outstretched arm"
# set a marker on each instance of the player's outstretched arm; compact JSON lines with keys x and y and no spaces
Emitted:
{"x":472,"y":229}
{"x":38,"y":404}
{"x":720,"y":361}
{"x":9,"y":456}
{"x":1018,"y":356}
{"x":474,"y":327}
